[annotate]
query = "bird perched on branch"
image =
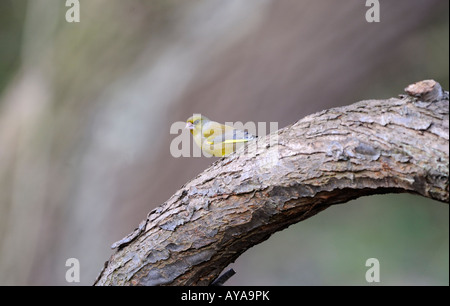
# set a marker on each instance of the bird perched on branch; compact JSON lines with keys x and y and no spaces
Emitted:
{"x":215,"y":138}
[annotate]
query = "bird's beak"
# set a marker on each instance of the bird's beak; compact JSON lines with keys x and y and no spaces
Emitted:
{"x":189,"y":126}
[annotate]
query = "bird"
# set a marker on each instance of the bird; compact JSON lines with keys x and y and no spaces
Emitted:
{"x":215,"y":138}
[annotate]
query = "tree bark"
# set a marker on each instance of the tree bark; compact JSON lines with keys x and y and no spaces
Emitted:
{"x":398,"y":145}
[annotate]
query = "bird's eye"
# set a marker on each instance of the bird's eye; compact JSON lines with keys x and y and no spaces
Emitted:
{"x":196,"y":121}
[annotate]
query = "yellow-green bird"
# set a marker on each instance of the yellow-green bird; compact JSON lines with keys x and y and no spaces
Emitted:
{"x":215,"y":138}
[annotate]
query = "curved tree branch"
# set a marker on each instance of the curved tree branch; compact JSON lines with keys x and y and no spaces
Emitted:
{"x":370,"y":147}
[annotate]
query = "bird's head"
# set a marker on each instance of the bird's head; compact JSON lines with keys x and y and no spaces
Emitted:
{"x":195,"y":123}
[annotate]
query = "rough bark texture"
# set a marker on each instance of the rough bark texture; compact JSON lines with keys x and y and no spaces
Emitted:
{"x":370,"y":147}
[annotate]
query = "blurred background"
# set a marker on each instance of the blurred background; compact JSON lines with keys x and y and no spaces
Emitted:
{"x":86,"y":108}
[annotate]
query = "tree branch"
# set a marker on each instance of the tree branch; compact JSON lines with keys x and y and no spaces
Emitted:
{"x":371,"y":147}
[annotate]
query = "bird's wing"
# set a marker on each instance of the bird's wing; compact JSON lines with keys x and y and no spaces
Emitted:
{"x":229,"y":136}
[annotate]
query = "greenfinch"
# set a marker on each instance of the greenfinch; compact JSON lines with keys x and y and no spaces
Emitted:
{"x":215,"y":138}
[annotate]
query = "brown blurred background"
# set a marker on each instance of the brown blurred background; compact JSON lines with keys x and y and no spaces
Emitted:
{"x":86,"y":108}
